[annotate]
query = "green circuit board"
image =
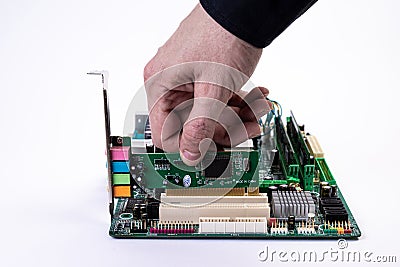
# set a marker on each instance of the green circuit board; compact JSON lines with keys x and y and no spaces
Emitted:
{"x":223,"y":169}
{"x":122,"y":228}
{"x":278,"y":185}
{"x":284,"y":192}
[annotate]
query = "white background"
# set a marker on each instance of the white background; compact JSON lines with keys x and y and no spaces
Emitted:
{"x":337,"y":67}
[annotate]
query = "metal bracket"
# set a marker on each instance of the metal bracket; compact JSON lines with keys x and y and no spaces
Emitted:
{"x":104,"y":77}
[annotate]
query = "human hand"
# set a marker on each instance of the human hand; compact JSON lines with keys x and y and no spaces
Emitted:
{"x":193,"y":89}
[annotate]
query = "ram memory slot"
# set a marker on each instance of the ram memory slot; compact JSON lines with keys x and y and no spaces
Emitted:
{"x":299,"y":146}
{"x":324,"y":171}
{"x":289,"y":161}
{"x":305,"y":159}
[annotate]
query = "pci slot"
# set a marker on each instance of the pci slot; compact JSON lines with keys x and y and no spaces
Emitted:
{"x":314,"y":146}
{"x":192,"y":208}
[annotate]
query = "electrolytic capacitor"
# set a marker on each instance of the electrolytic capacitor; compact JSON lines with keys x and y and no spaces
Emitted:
{"x":333,"y":190}
{"x":322,"y":184}
{"x":187,"y":180}
{"x":292,"y":187}
{"x":270,"y":190}
{"x":283,"y":187}
{"x":326,"y":191}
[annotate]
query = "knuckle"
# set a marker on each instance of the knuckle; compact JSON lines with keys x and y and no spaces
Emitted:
{"x":148,"y":70}
{"x":197,"y":130}
{"x":154,"y":65}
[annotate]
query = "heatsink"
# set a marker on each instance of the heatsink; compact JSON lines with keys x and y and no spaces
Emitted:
{"x":286,"y":203}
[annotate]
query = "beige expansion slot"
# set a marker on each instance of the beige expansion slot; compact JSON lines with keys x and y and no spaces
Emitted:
{"x":314,"y":146}
{"x":191,"y":208}
{"x":228,"y":225}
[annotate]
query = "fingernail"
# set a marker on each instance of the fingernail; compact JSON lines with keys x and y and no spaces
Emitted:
{"x":190,"y":156}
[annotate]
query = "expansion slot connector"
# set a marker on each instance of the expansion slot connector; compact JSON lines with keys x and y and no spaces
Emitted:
{"x":191,"y":208}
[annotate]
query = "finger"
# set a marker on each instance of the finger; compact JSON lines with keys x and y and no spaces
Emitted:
{"x":243,"y":98}
{"x":231,"y":130}
{"x":234,"y":135}
{"x":165,"y":117}
{"x":255,"y":110}
{"x":253,"y":105}
{"x":173,"y":125}
{"x":256,"y":93}
{"x":164,"y":127}
{"x":209,"y":102}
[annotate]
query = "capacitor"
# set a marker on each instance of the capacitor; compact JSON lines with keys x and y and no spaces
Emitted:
{"x":333,"y":190}
{"x":187,"y":180}
{"x":292,"y":187}
{"x":270,"y":190}
{"x":321,"y":184}
{"x":291,"y":223}
{"x":283,"y":187}
{"x":326,"y":191}
{"x":273,"y":188}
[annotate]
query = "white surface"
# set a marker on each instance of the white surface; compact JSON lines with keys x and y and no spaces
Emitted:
{"x":337,"y":67}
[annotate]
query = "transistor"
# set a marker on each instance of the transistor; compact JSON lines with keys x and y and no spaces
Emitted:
{"x":291,"y":222}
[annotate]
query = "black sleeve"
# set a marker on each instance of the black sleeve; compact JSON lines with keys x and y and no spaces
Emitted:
{"x":257,"y":22}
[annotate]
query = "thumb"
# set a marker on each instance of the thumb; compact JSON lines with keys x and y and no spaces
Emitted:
{"x":198,"y":130}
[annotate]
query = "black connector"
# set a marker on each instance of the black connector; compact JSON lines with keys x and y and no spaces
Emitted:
{"x":333,"y":209}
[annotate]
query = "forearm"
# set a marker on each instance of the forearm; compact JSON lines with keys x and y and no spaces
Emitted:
{"x":257,"y":22}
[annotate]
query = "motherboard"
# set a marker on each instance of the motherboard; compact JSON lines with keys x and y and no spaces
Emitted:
{"x":277,"y":185}
{"x":247,"y":192}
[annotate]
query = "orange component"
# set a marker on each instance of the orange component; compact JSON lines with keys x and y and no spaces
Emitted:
{"x":122,"y":191}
